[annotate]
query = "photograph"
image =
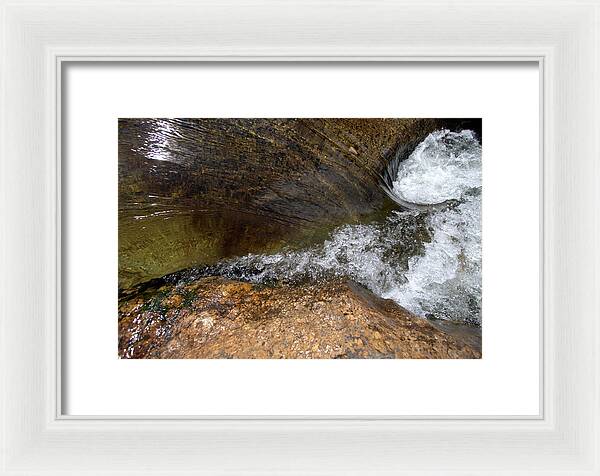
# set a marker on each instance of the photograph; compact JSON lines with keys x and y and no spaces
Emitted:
{"x":299,"y":238}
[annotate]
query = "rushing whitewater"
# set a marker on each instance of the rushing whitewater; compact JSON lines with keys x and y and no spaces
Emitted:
{"x":428,"y":261}
{"x":445,"y":280}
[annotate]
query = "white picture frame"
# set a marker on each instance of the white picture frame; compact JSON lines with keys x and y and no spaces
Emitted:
{"x":39,"y":37}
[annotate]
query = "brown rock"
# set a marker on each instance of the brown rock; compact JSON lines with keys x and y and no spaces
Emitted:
{"x":228,"y":319}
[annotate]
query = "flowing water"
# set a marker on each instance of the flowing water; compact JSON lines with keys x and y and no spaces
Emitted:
{"x":427,"y":260}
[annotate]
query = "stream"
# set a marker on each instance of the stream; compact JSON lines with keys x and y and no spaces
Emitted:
{"x":425,"y":255}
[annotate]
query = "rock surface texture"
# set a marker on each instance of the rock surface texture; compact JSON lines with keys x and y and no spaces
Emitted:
{"x":219,"y":318}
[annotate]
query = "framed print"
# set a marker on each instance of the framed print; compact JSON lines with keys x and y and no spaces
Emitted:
{"x":335,"y":238}
{"x":352,"y":264}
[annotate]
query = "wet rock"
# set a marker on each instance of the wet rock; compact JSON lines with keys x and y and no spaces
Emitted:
{"x":218,"y":318}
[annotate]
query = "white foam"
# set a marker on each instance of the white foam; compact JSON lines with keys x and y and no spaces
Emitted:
{"x":443,"y":167}
{"x":445,"y":281}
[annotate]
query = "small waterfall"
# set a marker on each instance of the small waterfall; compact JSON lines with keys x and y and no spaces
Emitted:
{"x":445,"y":280}
{"x":426,"y":257}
